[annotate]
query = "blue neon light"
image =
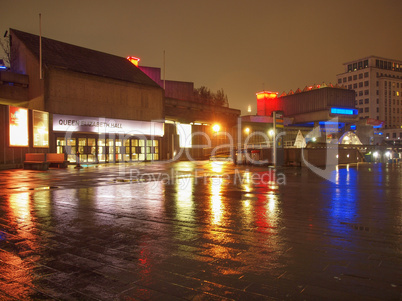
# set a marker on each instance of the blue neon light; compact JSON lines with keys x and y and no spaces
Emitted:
{"x":332,"y":123}
{"x":352,"y":127}
{"x":377,"y":126}
{"x":3,"y":67}
{"x":343,"y":111}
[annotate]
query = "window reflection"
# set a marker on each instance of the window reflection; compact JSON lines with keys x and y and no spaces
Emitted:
{"x":216,"y":199}
{"x":185,"y":198}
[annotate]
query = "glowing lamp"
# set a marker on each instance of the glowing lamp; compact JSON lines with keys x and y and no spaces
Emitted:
{"x":247,"y":130}
{"x":134,"y":60}
{"x":267,"y":95}
{"x":216,"y":128}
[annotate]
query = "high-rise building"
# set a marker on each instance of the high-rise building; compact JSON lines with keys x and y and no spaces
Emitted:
{"x":377,"y":83}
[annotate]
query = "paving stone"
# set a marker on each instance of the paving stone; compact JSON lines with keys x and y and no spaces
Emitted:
{"x":93,"y":238}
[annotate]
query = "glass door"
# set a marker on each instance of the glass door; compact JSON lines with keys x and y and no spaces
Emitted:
{"x":126,"y":150}
{"x":82,"y":143}
{"x":92,"y":150}
{"x":71,"y":150}
{"x":141,"y":148}
{"x":134,"y":149}
{"x":101,"y":150}
{"x":118,"y":147}
{"x":109,"y":150}
{"x":61,"y":143}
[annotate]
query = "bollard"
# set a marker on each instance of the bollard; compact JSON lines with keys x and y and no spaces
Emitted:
{"x":78,"y":165}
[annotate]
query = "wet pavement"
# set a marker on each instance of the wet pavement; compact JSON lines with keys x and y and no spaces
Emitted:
{"x":201,"y":231}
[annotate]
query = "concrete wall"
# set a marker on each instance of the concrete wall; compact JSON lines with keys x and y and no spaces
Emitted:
{"x":74,"y":93}
{"x":311,"y":101}
{"x":187,"y":111}
{"x":13,"y":87}
{"x":24,"y":62}
{"x":173,"y":89}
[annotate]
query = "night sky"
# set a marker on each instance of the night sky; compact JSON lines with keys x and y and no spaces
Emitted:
{"x":240,"y":46}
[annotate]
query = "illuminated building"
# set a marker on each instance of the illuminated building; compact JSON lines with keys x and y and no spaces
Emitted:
{"x":95,"y":106}
{"x":377,"y":83}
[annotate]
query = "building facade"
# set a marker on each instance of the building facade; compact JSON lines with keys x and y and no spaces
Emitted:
{"x":96,"y":107}
{"x":377,"y":83}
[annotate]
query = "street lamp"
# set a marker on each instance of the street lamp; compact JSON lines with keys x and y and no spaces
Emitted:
{"x":216,"y":127}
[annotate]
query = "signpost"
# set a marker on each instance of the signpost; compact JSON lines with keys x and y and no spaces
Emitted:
{"x":278,"y":153}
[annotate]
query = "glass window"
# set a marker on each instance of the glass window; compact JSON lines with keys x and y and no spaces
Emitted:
{"x":355,"y":86}
{"x":92,"y":150}
{"x":349,"y":78}
{"x":71,"y":150}
{"x":360,"y":75}
{"x":360,"y":84}
{"x":366,"y":110}
{"x":355,"y":77}
{"x":365,"y":63}
{"x":61,"y":143}
{"x":366,"y":101}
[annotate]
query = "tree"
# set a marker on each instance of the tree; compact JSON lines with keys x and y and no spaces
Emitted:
{"x":204,"y":95}
{"x":5,"y":46}
{"x":221,"y":98}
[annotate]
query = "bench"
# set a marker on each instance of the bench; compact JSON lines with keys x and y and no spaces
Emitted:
{"x":36,"y":161}
{"x":56,"y":159}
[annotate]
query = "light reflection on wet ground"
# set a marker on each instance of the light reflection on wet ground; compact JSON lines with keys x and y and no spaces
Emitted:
{"x":201,"y":231}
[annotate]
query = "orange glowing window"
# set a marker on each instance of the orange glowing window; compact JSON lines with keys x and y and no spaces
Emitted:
{"x":267,"y":95}
{"x":18,"y":118}
{"x":134,"y":60}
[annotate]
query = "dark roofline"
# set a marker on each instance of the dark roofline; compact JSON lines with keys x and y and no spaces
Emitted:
{"x":75,"y":58}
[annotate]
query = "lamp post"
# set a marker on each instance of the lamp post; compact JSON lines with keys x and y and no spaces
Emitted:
{"x":216,"y":128}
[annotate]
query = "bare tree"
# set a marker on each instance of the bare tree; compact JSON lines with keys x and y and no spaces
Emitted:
{"x":5,"y":46}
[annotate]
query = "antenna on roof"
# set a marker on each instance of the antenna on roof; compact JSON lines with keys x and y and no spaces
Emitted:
{"x":164,"y":71}
{"x":40,"y":46}
{"x":5,"y":34}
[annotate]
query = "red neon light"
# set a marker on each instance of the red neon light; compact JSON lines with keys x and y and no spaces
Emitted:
{"x":266,"y":95}
{"x":134,"y":60}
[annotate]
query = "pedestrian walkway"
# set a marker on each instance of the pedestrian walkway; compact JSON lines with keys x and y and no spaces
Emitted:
{"x":200,"y":231}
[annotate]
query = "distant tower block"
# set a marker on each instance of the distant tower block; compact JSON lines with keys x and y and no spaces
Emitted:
{"x":266,"y":102}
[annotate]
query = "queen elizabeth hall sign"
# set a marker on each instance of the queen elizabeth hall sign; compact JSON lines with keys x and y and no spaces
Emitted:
{"x":69,"y":123}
